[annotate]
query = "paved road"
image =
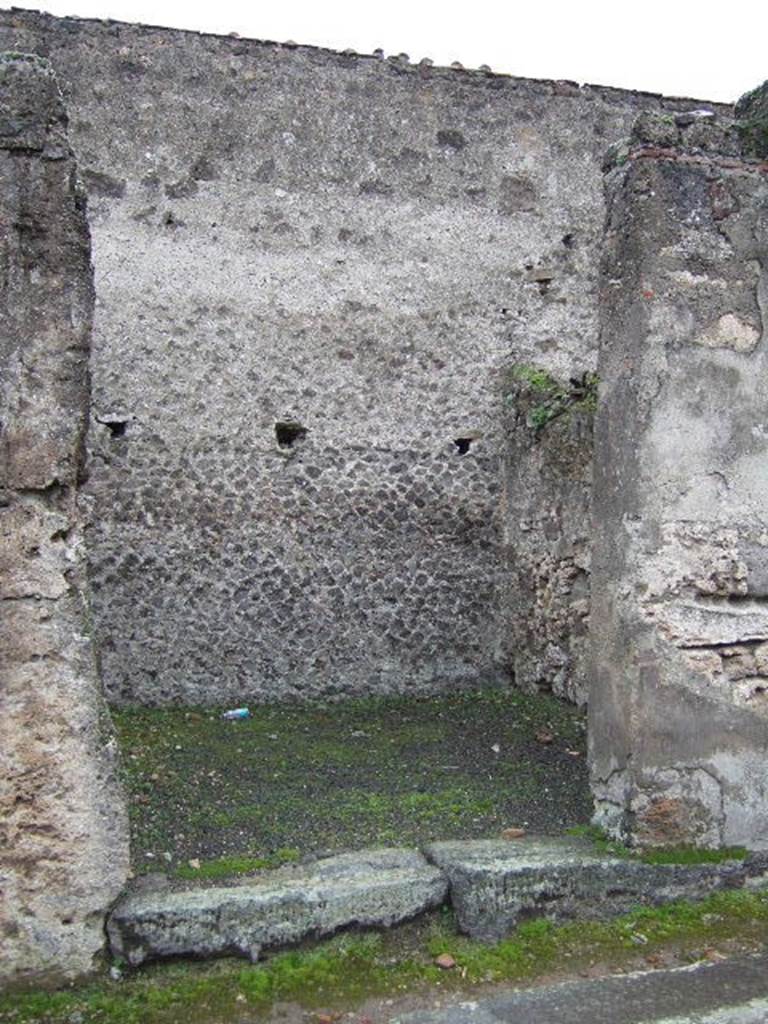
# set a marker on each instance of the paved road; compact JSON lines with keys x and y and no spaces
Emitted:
{"x":733,"y":991}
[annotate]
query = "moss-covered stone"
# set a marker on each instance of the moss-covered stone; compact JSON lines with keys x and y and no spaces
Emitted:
{"x":655,"y":128}
{"x":752,"y":122}
{"x":542,"y":398}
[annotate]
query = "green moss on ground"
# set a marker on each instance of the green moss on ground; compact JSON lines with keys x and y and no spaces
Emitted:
{"x":316,"y":778}
{"x":693,"y":855}
{"x":344,"y":971}
{"x":682,"y":854}
{"x":226,"y":867}
{"x":601,"y":841}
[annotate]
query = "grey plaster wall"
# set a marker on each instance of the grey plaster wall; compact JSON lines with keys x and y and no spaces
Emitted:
{"x":63,"y":826}
{"x":679,"y":701}
{"x":361,"y":247}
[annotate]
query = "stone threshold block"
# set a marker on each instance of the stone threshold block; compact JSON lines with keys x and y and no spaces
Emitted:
{"x":496,"y":884}
{"x":370,"y":888}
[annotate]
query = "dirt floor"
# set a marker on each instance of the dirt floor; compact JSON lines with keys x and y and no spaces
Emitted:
{"x":297,"y":780}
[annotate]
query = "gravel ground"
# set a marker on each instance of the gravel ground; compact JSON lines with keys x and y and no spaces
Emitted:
{"x":295,"y":780}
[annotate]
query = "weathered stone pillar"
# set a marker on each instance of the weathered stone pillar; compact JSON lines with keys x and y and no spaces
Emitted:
{"x":679,"y":702}
{"x":63,"y":830}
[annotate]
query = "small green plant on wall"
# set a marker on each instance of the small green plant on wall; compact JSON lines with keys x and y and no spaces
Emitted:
{"x":549,"y":398}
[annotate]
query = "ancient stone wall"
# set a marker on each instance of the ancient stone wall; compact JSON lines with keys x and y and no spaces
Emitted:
{"x":313,"y":272}
{"x":63,"y":829}
{"x":679,"y":701}
{"x":345,"y":333}
{"x":547,"y":490}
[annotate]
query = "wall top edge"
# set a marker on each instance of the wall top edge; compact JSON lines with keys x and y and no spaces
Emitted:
{"x":348,"y":58}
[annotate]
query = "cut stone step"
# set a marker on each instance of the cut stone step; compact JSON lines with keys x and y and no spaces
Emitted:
{"x":497,"y":883}
{"x":369,"y":888}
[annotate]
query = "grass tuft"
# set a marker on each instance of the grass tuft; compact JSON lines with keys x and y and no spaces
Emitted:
{"x":547,"y":399}
{"x":226,"y":867}
{"x":682,"y":854}
{"x":693,"y":855}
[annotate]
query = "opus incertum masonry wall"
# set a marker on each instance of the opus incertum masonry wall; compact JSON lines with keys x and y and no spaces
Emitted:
{"x":313,"y":272}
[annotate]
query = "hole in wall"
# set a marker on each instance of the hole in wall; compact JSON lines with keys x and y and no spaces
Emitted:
{"x":288,"y":432}
{"x":171,"y":221}
{"x":117,"y":428}
{"x":569,"y":240}
{"x":463,"y":444}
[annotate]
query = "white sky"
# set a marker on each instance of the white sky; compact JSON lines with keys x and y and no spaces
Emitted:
{"x":709,"y":50}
